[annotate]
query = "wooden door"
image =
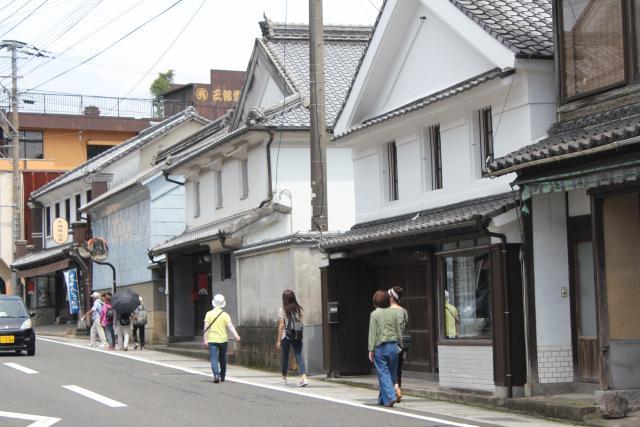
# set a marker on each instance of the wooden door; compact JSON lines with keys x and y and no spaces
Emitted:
{"x":583,"y":301}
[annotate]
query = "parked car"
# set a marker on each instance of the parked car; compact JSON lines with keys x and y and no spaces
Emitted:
{"x":16,"y":327}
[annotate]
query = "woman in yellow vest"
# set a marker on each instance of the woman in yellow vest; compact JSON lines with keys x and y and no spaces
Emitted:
{"x":216,"y":323}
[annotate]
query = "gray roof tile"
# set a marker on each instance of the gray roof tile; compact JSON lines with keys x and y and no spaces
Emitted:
{"x":574,"y":137}
{"x":524,"y":26}
{"x":40,"y":257}
{"x":423,"y":222}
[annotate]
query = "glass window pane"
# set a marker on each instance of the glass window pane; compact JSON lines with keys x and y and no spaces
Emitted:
{"x":467,"y":309}
{"x":587,"y":289}
{"x":636,"y":7}
{"x":592,"y":33}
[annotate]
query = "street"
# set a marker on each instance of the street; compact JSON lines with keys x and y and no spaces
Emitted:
{"x":68,"y":383}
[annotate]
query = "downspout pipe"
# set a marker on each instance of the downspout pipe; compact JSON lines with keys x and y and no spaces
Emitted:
{"x":167,"y":178}
{"x":507,"y":312}
{"x":269,"y":184}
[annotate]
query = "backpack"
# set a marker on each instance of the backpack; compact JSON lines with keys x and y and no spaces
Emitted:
{"x":141,"y":318}
{"x":109,"y":314}
{"x":124,"y":319}
{"x":294,"y":329}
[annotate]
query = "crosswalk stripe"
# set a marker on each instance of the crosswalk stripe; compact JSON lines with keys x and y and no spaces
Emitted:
{"x":21,"y":368}
{"x":95,"y":396}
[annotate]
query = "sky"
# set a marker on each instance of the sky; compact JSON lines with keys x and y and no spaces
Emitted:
{"x":197,"y":35}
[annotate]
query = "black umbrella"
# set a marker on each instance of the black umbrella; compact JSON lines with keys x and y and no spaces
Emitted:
{"x":125,"y":301}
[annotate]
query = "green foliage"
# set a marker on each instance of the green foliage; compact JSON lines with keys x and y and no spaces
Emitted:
{"x":162,"y":83}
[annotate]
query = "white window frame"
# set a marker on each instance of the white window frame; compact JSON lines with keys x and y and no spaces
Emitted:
{"x":196,"y":199}
{"x":429,"y":167}
{"x":244,"y":178}
{"x":77,"y":206}
{"x":218,"y":178}
{"x":47,"y":221}
{"x":389,"y":158}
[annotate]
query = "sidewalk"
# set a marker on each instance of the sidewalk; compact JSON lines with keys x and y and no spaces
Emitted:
{"x":575,"y":408}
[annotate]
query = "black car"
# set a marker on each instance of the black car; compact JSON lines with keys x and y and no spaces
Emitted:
{"x":16,"y":327}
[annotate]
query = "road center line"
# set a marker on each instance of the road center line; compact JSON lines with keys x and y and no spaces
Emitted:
{"x":274,"y":387}
{"x":95,"y":396}
{"x":21,"y":368}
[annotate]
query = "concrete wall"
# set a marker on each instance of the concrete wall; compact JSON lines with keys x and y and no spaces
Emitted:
{"x":261,"y":280}
{"x":551,"y":272}
{"x":466,"y":367}
{"x":226,"y":287}
{"x":128,"y":233}
{"x":6,"y":228}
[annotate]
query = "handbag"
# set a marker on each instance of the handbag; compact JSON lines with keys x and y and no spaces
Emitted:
{"x":406,"y":339}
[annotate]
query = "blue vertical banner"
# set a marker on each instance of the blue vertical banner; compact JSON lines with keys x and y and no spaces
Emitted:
{"x":71,"y":278}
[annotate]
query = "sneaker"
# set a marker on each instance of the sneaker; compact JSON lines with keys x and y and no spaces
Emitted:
{"x":284,"y":381}
{"x":221,"y":379}
{"x":216,"y":379}
{"x":125,"y":349}
{"x":303,"y":382}
{"x":398,"y":394}
{"x":135,"y":346}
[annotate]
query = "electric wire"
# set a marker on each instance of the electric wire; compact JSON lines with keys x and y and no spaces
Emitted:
{"x":167,"y":49}
{"x":25,"y":18}
{"x":284,"y":90}
{"x":108,"y":47}
{"x":15,"y":11}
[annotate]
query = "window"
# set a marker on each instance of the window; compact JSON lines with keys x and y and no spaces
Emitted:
{"x":390,"y":169}
{"x":485,"y":137}
{"x":466,"y":287}
{"x":94,"y":150}
{"x":225,"y":265}
{"x":67,"y":210}
{"x":31,"y":146}
{"x":47,"y":220}
{"x":57,"y":210}
{"x":196,"y":199}
{"x":593,"y":44}
{"x":78,"y":205}
{"x":218,"y":189}
{"x":432,"y":151}
{"x":88,"y":196}
{"x":244,"y":179}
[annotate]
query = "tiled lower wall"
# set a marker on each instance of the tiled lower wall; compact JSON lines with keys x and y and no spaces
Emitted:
{"x":466,"y":367}
{"x":555,"y":364}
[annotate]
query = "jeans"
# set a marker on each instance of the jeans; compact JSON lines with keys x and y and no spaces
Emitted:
{"x":218,"y":354}
{"x":297,"y":352}
{"x":385,"y":359}
{"x":108,"y":330}
{"x":138,"y":329}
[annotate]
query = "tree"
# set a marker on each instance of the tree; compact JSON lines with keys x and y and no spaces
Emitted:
{"x":160,"y":85}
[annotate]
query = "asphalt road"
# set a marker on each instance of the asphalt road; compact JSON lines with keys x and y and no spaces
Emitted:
{"x":95,"y":388}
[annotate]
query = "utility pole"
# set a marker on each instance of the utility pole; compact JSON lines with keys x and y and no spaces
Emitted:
{"x":318,"y":141}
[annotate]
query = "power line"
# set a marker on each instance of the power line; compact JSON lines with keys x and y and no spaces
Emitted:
{"x":16,"y":11}
{"x":25,"y":18}
{"x":167,"y":49}
{"x":108,"y":47}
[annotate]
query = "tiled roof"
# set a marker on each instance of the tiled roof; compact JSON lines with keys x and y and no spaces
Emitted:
{"x":48,"y":254}
{"x":574,"y":137}
{"x":306,"y":239}
{"x":470,"y":212}
{"x":524,"y":26}
{"x":102,"y":160}
{"x":428,"y":100}
{"x":343,"y":48}
{"x":211,"y":230}
{"x":280,"y":31}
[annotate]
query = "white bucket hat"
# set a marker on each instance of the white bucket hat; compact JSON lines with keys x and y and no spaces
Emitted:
{"x":218,"y":301}
{"x":95,"y":295}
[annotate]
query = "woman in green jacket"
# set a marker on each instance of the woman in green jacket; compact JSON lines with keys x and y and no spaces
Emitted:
{"x":385,"y":337}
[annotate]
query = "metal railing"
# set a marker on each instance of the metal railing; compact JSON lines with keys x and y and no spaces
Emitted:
{"x":99,"y":106}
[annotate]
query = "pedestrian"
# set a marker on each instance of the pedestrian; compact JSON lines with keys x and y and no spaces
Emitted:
{"x":290,"y":325}
{"x":96,"y":326}
{"x":139,"y":323}
{"x":395,"y":295}
{"x":385,"y":337}
{"x":106,"y":319}
{"x":122,"y":327}
{"x":214,"y":336}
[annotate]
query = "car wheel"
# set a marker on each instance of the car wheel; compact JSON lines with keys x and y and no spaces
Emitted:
{"x":31,"y":351}
{"x":18,"y":351}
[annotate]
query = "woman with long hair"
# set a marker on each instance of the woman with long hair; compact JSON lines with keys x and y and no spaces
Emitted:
{"x":384,"y":338}
{"x":290,"y":321}
{"x":395,"y":295}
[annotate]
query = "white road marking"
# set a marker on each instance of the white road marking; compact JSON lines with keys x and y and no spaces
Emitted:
{"x":21,"y":368}
{"x":40,"y":421}
{"x":95,"y":396}
{"x":272,"y":387}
